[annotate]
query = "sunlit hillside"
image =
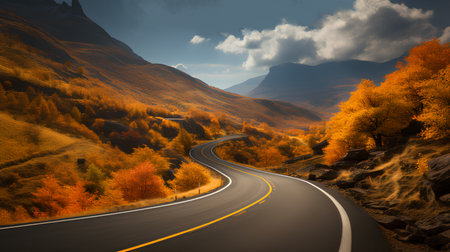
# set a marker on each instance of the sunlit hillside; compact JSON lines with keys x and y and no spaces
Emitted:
{"x":101,"y":66}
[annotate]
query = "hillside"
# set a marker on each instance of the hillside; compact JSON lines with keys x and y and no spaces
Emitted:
{"x":319,"y":87}
{"x":245,"y":87}
{"x":67,"y":45}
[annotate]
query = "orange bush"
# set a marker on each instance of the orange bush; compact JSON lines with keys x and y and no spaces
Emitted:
{"x":189,"y":175}
{"x":53,"y":199}
{"x":269,"y":156}
{"x":141,"y":182}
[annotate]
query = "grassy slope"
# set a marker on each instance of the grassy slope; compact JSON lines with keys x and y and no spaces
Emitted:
{"x":16,"y":145}
{"x":108,"y":70}
{"x":58,"y":154}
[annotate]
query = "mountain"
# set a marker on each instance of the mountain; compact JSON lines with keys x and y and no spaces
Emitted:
{"x":67,"y":46}
{"x":245,"y":87}
{"x":319,"y":87}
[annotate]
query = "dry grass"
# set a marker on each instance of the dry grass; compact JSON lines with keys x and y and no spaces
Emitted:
{"x":400,"y":184}
{"x":16,"y":145}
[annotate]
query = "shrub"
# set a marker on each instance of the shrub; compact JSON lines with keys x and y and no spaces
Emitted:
{"x":138,"y":183}
{"x":183,"y":142}
{"x":189,"y":175}
{"x":422,"y":166}
{"x":145,"y":154}
{"x":95,"y":180}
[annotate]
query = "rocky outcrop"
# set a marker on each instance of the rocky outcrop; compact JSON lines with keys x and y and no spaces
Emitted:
{"x":393,"y":222}
{"x":439,"y":174}
{"x":318,"y":172}
{"x":318,"y":148}
{"x":433,"y":231}
{"x":439,"y":241}
{"x":340,"y":165}
{"x":432,"y":226}
{"x":345,"y":184}
{"x":324,"y":174}
{"x":359,"y":175}
{"x":445,"y":199}
{"x":352,"y":158}
{"x":357,"y":155}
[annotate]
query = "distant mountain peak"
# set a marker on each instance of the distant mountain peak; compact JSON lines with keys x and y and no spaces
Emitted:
{"x":77,"y":9}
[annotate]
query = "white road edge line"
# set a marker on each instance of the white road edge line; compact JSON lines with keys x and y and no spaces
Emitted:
{"x":127,"y":211}
{"x":346,"y":237}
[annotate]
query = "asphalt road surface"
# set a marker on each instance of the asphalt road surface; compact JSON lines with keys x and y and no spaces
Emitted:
{"x":253,"y":211}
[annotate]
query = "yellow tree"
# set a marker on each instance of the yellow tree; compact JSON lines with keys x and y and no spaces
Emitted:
{"x":183,"y":142}
{"x":436,"y":100}
{"x":189,"y":175}
{"x":370,"y":114}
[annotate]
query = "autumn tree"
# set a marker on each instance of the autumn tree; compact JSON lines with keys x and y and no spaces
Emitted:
{"x":169,"y":129}
{"x":12,"y":101}
{"x":138,"y":183}
{"x":157,"y":141}
{"x":419,"y":88}
{"x":55,"y":199}
{"x":183,"y":142}
{"x":189,"y":175}
{"x":22,"y":100}
{"x":214,"y":127}
{"x":145,"y":154}
{"x":421,"y":64}
{"x":436,"y":105}
{"x":370,"y":114}
{"x":269,"y":156}
{"x":78,"y":199}
{"x":76,"y":114}
{"x":50,"y":197}
{"x":95,"y":180}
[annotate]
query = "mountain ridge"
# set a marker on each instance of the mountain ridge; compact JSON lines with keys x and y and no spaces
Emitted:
{"x":319,"y":87}
{"x":245,"y":87}
{"x":109,"y":65}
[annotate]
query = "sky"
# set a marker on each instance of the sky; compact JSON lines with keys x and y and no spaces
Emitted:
{"x":225,"y":42}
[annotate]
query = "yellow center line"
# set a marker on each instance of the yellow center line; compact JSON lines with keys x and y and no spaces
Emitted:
{"x":213,"y":221}
{"x":240,"y":213}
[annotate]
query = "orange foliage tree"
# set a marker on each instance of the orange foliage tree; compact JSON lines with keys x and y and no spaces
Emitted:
{"x":53,"y":199}
{"x":436,"y":105}
{"x":418,"y":89}
{"x":138,"y":183}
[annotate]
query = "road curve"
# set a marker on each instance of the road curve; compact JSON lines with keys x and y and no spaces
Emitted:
{"x":253,"y":211}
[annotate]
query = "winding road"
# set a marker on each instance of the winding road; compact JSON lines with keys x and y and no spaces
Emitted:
{"x":253,"y":211}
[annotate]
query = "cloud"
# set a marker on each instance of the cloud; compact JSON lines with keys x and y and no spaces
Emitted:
{"x":445,"y":38}
{"x":197,"y":39}
{"x":180,"y":66}
{"x":375,"y":30}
